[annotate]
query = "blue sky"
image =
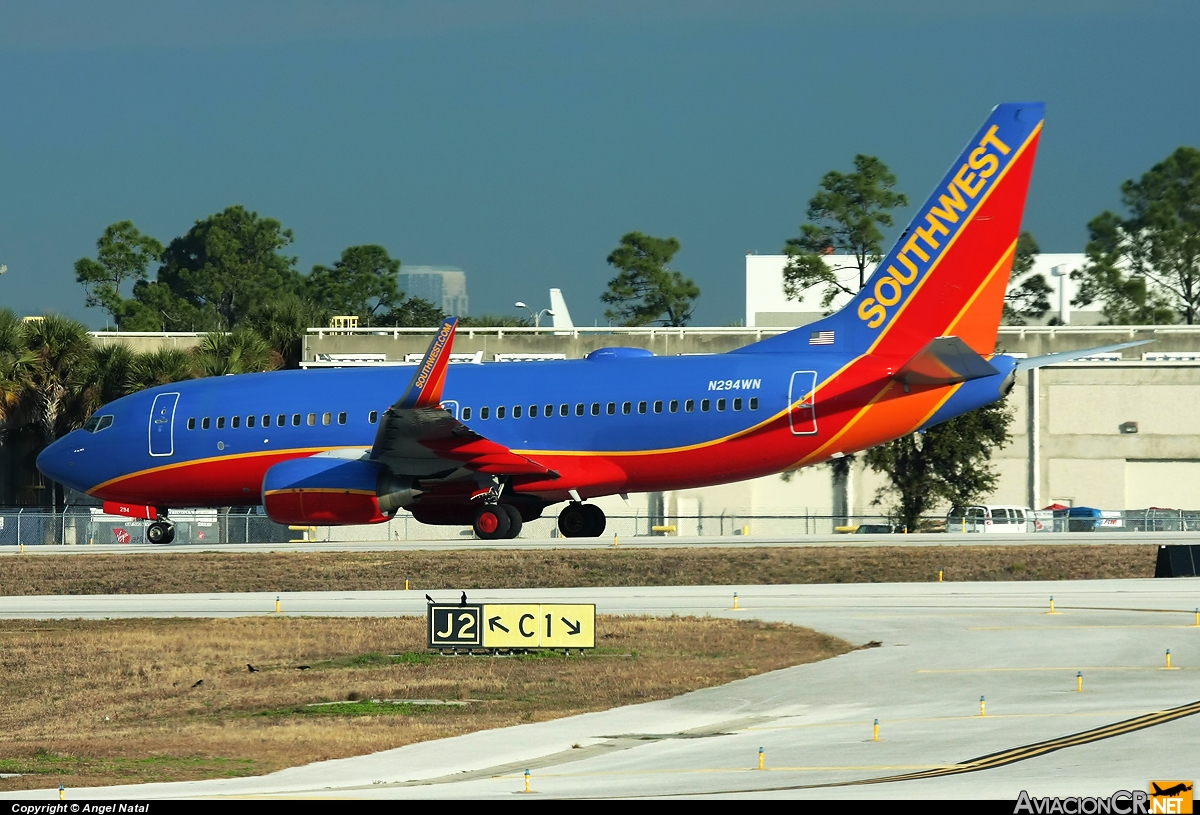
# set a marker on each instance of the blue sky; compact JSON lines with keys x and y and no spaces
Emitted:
{"x":520,"y":140}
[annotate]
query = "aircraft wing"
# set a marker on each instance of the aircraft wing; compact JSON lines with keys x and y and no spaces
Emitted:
{"x":418,"y":437}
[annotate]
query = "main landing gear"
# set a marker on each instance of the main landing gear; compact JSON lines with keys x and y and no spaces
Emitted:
{"x":581,"y":521}
{"x":496,"y":521}
{"x":160,"y":532}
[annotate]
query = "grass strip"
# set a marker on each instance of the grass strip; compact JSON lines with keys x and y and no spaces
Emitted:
{"x":100,"y":702}
{"x":497,"y":569}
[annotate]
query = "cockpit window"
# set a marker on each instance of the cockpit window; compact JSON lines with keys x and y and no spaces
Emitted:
{"x":98,"y":423}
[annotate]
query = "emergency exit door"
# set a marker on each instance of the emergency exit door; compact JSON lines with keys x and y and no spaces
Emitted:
{"x":802,"y":411}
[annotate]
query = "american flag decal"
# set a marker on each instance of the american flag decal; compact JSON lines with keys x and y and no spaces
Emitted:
{"x":820,"y":338}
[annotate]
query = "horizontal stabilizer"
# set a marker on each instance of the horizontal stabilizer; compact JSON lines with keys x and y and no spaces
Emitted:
{"x":1068,"y":356}
{"x":944,"y":361}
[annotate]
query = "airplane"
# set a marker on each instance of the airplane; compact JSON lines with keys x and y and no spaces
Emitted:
{"x":1182,"y":786}
{"x":493,"y":445}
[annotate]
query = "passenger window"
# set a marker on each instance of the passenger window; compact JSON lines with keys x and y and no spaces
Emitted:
{"x":373,"y":416}
{"x":516,"y":412}
{"x":565,"y":410}
{"x":578,"y":409}
{"x":500,"y":412}
{"x":737,"y":404}
{"x":533,"y":411}
{"x":295,"y":420}
{"x":674,"y":405}
{"x":342,"y":417}
{"x":249,"y":421}
{"x":266,"y":420}
{"x":312,"y":419}
{"x":204,"y":423}
{"x":220,"y":423}
{"x":625,"y":408}
{"x":484,"y":412}
{"x":689,"y":405}
{"x":549,"y":411}
{"x":191,"y":424}
{"x":236,"y":421}
{"x":720,"y":404}
{"x":612,"y":408}
{"x":466,"y":414}
{"x":704,"y":404}
{"x":658,"y":406}
{"x":326,"y":418}
{"x":754,"y":403}
{"x":595,"y":408}
{"x":281,"y":420}
{"x":641,"y":407}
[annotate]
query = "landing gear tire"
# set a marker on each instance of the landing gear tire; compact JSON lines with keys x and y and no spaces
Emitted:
{"x":515,"y":521}
{"x":160,"y":532}
{"x":581,"y":521}
{"x":492,"y":522}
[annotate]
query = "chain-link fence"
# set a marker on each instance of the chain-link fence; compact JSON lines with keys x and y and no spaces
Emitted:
{"x":86,"y":525}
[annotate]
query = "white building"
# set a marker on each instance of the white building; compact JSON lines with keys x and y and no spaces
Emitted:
{"x":768,"y":307}
{"x":444,"y":286}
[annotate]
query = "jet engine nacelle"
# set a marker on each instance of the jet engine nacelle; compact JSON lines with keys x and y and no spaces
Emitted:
{"x":333,"y":492}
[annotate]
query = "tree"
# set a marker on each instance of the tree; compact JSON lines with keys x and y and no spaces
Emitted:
{"x":227,"y":264}
{"x":845,"y":217}
{"x":1030,"y":299}
{"x":16,"y":391}
{"x":100,"y":377}
{"x":414,"y":312}
{"x":646,"y":291}
{"x":948,"y":462}
{"x":57,"y":346}
{"x":161,"y":367}
{"x":283,"y":321}
{"x":240,"y":351}
{"x":497,"y":320}
{"x":123,"y":254}
{"x":1145,"y":268}
{"x":362,"y":282}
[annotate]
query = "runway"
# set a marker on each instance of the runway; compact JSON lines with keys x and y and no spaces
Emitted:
{"x":642,"y":542}
{"x":942,"y":647}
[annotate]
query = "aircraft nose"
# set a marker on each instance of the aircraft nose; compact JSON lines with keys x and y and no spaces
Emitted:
{"x":55,"y":462}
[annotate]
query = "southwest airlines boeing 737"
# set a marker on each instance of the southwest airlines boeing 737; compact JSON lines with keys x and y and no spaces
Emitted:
{"x":492,"y":445}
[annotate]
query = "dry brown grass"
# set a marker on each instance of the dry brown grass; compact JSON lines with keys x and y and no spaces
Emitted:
{"x":107,"y":702}
{"x":494,"y":569}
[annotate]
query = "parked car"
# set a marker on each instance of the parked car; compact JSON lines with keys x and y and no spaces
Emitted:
{"x":988,"y":518}
{"x":1090,"y":519}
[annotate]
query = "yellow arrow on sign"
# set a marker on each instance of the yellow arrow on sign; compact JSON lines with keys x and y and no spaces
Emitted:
{"x":532,"y":625}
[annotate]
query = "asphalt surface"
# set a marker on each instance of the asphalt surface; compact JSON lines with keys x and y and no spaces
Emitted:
{"x":942,"y":647}
{"x":643,"y":542}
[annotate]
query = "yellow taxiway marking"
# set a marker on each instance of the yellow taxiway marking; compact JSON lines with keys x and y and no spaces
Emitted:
{"x":1066,"y":627}
{"x":697,"y":770}
{"x":972,"y":717}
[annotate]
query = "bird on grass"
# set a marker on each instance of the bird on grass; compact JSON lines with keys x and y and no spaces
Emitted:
{"x":251,"y":668}
{"x":429,"y":599}
{"x":198,"y":684}
{"x":463,"y":601}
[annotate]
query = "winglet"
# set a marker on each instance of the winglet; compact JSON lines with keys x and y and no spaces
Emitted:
{"x":425,"y":390}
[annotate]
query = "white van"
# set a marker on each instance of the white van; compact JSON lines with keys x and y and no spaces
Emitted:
{"x":989,"y":518}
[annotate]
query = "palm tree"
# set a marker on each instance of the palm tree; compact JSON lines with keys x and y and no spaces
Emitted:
{"x":58,"y":345}
{"x":161,"y":367}
{"x":15,"y":378}
{"x":238,"y":352}
{"x":283,"y":322}
{"x":101,"y":377}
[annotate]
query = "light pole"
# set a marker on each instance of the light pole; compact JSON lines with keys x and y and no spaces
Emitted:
{"x":537,"y":316}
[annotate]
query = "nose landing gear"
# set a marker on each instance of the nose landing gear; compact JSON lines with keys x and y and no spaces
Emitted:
{"x":581,"y":521}
{"x":160,"y":532}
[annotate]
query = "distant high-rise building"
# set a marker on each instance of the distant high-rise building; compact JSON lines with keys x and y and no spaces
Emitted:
{"x":444,"y":286}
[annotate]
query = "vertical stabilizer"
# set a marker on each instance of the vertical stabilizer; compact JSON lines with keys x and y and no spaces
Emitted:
{"x":948,"y":273}
{"x":558,"y":304}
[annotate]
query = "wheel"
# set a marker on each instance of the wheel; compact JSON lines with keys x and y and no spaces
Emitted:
{"x":491,"y":522}
{"x":160,"y":532}
{"x":514,"y":520}
{"x":595,"y":520}
{"x":573,"y":521}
